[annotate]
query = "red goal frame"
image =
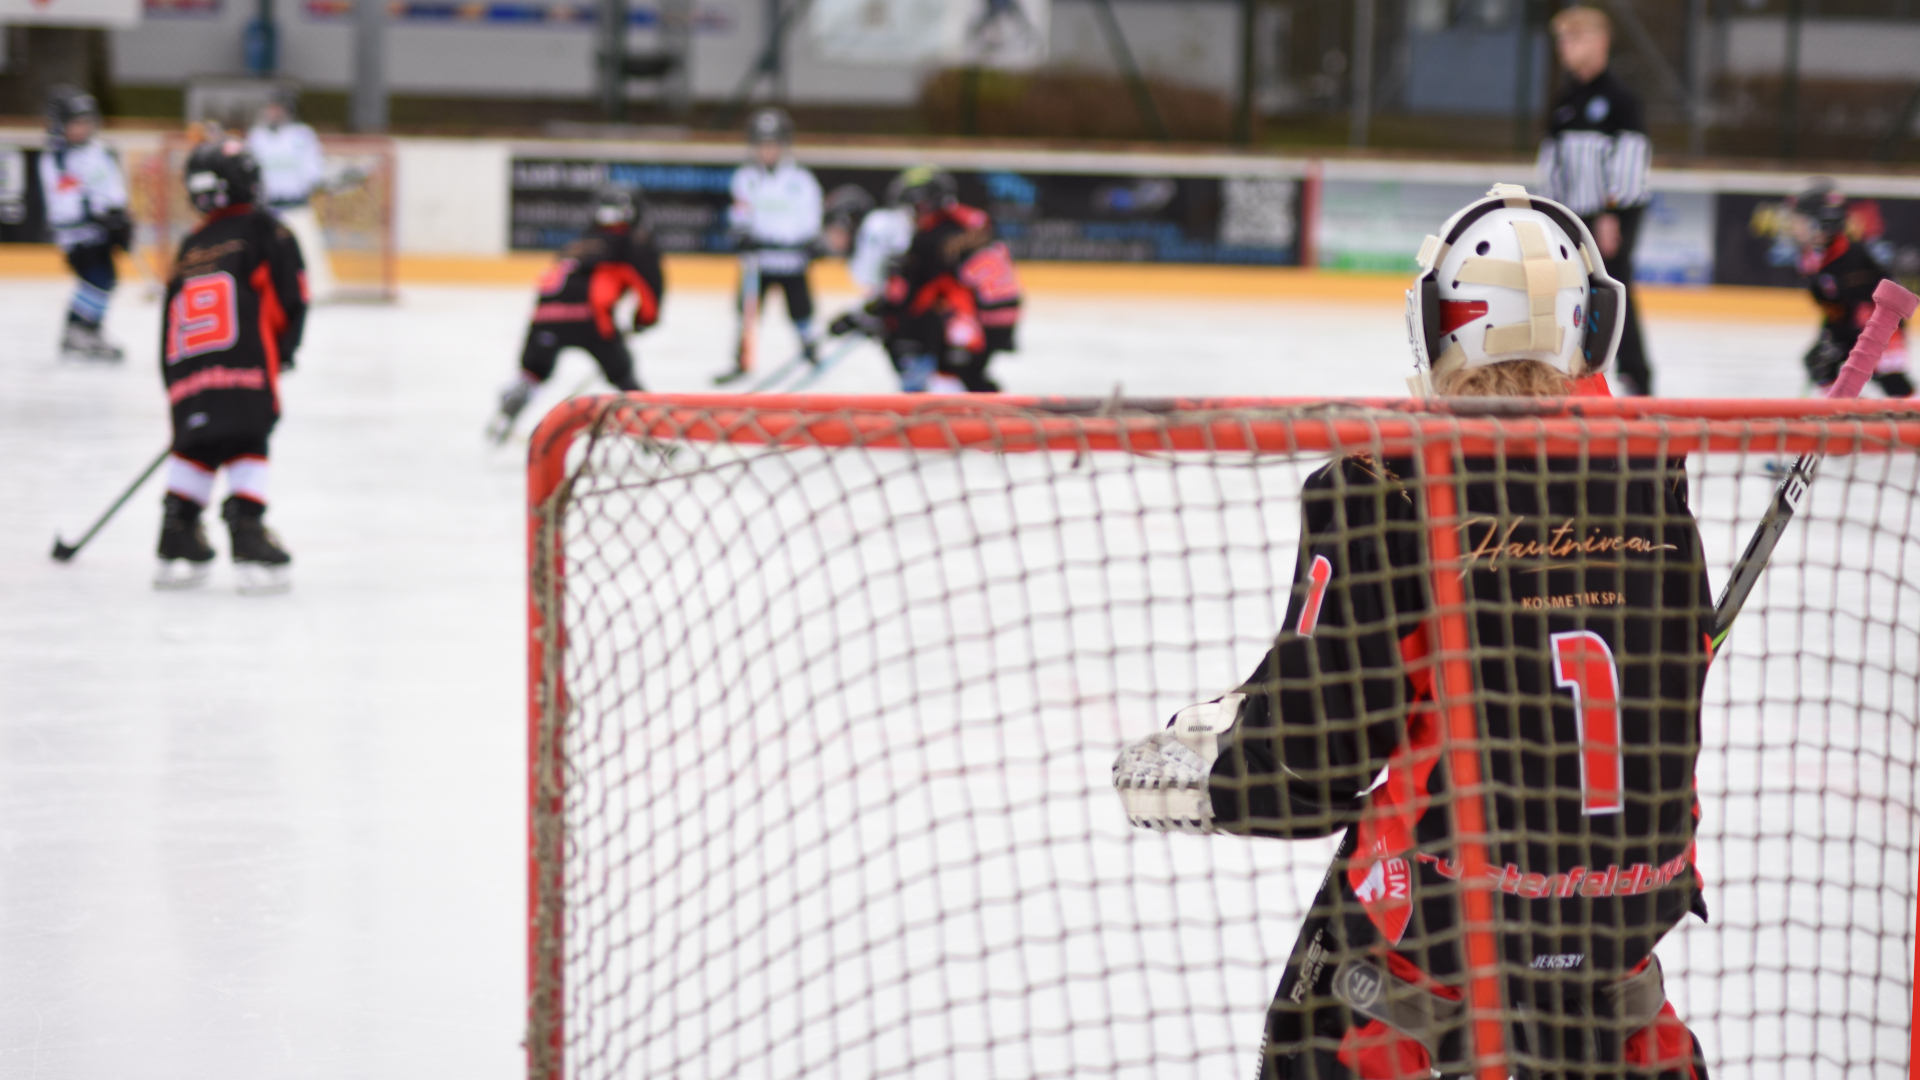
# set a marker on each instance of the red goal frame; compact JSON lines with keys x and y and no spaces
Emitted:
{"x":1437,"y":430}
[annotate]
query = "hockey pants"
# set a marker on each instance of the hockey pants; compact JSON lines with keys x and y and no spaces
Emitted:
{"x":93,"y":265}
{"x":546,"y":339}
{"x":1316,"y":1031}
{"x":925,"y":336}
{"x":191,"y":470}
{"x":799,"y":298}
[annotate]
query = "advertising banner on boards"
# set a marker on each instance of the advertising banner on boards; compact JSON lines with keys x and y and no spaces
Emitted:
{"x":1375,"y":225}
{"x":1065,"y":216}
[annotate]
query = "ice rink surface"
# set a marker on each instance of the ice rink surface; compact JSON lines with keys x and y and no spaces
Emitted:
{"x":284,"y":836}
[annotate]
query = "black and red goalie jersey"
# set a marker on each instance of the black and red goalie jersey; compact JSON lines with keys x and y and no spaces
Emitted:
{"x":595,"y":271}
{"x":235,"y":307}
{"x":1588,"y":608}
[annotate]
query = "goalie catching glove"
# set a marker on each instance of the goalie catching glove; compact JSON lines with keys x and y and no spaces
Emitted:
{"x":1162,"y":779}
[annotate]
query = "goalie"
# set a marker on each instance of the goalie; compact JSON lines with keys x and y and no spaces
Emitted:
{"x":1588,"y":607}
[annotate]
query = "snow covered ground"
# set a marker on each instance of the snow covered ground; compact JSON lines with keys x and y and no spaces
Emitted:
{"x":284,"y":836}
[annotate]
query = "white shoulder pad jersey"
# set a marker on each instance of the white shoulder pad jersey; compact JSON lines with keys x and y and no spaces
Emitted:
{"x":77,"y":183}
{"x":291,"y":162}
{"x":780,"y":209}
{"x":884,"y":236}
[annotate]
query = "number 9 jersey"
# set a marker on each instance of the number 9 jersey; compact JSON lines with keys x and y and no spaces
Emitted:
{"x":236,"y":304}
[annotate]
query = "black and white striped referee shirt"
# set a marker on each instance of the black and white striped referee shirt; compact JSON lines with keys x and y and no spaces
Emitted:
{"x":1596,"y":153}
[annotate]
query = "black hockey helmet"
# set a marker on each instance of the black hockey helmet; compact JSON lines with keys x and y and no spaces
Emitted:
{"x":221,"y":174}
{"x":66,"y":103}
{"x":285,"y":98}
{"x":769,"y":126}
{"x":1824,"y":206}
{"x":846,"y":205}
{"x":923,"y":188}
{"x":615,"y":206}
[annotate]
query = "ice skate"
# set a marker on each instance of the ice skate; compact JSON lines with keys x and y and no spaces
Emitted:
{"x":83,"y":342}
{"x":260,"y":564}
{"x":513,"y":401}
{"x":185,"y":555}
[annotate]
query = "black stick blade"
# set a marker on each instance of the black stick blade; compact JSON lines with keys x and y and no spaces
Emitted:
{"x":61,"y":551}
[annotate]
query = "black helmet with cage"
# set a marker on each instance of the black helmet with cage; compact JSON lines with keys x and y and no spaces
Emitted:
{"x":1823,"y":206}
{"x":66,"y":103}
{"x":221,"y":174}
{"x":770,"y":126}
{"x":846,"y":206}
{"x":616,"y":207}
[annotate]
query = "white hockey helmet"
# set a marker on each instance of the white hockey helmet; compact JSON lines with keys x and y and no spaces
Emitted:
{"x":1512,"y":276}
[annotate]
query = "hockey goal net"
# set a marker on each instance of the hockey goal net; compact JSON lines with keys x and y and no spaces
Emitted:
{"x":354,"y":205}
{"x":825,"y":693}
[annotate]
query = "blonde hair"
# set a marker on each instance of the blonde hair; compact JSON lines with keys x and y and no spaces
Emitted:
{"x":1590,"y":18}
{"x":1509,"y":378}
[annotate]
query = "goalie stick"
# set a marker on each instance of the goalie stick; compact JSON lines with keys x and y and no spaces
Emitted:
{"x":1891,"y":303}
{"x":63,"y":551}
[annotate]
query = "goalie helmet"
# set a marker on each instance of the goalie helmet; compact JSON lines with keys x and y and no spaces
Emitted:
{"x":66,"y":104}
{"x":1513,"y":276}
{"x":923,"y":188}
{"x":221,"y":174}
{"x":617,"y":206}
{"x":770,"y":126}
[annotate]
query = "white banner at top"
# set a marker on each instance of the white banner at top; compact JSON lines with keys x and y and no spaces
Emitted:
{"x":1007,"y":34}
{"x":990,"y":33}
{"x":70,"y":12}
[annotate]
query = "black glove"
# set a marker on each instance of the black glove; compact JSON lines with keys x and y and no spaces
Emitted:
{"x":118,"y":227}
{"x":741,"y":240}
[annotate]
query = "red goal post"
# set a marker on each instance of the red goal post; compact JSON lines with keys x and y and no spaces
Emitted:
{"x":661,"y":527}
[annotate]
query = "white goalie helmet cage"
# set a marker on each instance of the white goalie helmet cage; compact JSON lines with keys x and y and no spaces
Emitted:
{"x":1512,"y":276}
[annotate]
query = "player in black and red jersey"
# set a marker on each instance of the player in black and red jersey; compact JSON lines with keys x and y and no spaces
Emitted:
{"x":578,"y":295}
{"x":954,"y":299}
{"x":1587,"y":608}
{"x":1842,"y":275}
{"x":236,"y":304}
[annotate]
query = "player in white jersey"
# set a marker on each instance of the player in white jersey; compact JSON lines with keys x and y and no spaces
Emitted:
{"x":775,"y":219}
{"x":292,"y":168}
{"x":883,"y":238}
{"x":86,"y":204}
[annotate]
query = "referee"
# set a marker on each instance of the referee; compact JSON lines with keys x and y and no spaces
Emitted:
{"x":1595,"y":159}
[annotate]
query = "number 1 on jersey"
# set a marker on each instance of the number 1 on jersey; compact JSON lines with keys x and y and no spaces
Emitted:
{"x":1583,"y":663}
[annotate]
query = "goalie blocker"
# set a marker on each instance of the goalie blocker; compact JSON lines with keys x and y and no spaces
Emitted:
{"x":1586,"y":608}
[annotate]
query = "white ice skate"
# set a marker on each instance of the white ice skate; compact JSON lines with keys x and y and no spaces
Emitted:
{"x":180,"y":574}
{"x":262,"y":579}
{"x":86,"y":343}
